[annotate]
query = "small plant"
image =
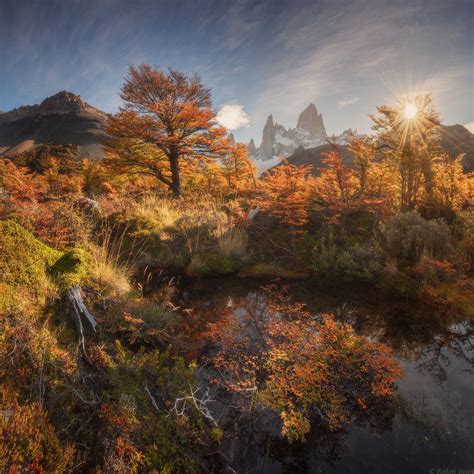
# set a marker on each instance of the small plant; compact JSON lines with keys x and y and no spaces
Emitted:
{"x":233,"y":241}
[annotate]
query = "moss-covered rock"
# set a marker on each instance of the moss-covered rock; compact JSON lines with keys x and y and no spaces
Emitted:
{"x":24,"y":260}
{"x":72,"y":268}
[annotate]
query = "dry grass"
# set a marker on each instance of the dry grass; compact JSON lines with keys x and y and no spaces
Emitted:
{"x":232,"y":241}
{"x":160,"y":212}
{"x":205,"y":222}
{"x":111,"y":269}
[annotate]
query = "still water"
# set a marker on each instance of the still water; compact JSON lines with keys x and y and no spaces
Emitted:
{"x":429,"y":425}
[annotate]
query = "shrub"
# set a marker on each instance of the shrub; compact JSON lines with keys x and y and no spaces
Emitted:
{"x":356,"y":262}
{"x":408,"y":236}
{"x":433,"y":271}
{"x":28,"y":442}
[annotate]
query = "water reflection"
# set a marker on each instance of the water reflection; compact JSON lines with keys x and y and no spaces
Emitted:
{"x":430,"y":424}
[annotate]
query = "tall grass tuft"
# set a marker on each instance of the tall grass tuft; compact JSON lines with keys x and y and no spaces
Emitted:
{"x":232,"y":241}
{"x":113,"y":262}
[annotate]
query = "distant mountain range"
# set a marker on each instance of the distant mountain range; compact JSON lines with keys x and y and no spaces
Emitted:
{"x":455,"y":139}
{"x":277,"y":141}
{"x":306,"y":143}
{"x":63,"y":119}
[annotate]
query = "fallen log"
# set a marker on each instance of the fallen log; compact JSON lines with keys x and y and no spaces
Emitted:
{"x":83,"y":319}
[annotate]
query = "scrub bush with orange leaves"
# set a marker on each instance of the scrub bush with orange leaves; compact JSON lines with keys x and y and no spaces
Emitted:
{"x":301,"y":366}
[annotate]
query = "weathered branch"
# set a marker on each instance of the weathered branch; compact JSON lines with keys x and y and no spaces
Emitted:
{"x":201,"y":404}
{"x":80,"y":314}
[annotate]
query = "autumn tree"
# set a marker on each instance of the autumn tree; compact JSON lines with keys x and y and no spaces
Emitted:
{"x":167,"y":120}
{"x":338,"y":188}
{"x":364,"y":154}
{"x":284,"y":192}
{"x":237,"y":168}
{"x":407,"y":135}
{"x":452,"y":188}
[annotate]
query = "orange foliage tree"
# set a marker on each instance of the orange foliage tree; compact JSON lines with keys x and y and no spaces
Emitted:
{"x":167,"y":119}
{"x":238,"y":170}
{"x":411,"y":145}
{"x":452,"y":188}
{"x":299,"y":365}
{"x":45,"y":203}
{"x":338,"y":188}
{"x":284,"y":192}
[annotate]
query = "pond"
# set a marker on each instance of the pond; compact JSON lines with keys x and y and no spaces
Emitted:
{"x":429,"y":423}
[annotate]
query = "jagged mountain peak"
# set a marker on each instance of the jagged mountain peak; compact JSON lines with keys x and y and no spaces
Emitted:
{"x":252,"y":149}
{"x":312,"y":122}
{"x":269,"y":122}
{"x":279,"y":141}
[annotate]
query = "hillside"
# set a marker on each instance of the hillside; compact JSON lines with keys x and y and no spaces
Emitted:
{"x":457,"y":139}
{"x":62,"y":119}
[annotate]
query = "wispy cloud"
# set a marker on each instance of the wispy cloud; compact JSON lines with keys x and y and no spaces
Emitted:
{"x":369,"y":51}
{"x":346,"y":102}
{"x":232,"y":116}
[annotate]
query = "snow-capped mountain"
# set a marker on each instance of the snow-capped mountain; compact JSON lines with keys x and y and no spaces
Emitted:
{"x":278,"y":142}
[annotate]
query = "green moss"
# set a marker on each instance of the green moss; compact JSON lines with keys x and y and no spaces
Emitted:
{"x":24,"y":259}
{"x":217,"y":434}
{"x":9,"y":298}
{"x":208,"y":264}
{"x":72,"y":268}
{"x":262,"y":269}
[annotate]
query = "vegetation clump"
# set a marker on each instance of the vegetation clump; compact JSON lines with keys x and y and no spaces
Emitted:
{"x":24,"y":261}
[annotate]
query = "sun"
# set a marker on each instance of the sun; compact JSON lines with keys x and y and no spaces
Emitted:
{"x":410,"y":110}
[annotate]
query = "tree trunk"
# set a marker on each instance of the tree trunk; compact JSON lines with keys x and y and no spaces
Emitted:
{"x":175,"y":176}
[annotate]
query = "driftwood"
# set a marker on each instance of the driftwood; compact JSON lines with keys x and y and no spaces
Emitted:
{"x":83,"y":319}
{"x":253,"y":213}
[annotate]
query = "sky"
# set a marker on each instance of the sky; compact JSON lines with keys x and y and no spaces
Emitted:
{"x":258,"y":57}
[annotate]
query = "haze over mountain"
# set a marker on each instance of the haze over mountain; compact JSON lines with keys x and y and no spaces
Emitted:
{"x":62,"y":119}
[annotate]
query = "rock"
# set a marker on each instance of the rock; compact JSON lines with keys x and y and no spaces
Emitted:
{"x":268,"y":136}
{"x":279,"y":142}
{"x":312,"y":122}
{"x":252,"y":149}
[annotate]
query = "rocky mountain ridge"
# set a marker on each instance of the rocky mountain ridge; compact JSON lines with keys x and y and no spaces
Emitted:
{"x":277,"y":141}
{"x":63,"y":119}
